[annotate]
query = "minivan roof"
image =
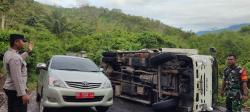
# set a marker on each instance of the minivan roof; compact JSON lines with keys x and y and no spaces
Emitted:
{"x":67,"y":56}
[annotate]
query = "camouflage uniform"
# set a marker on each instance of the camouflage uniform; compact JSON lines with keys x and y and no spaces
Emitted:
{"x":232,"y":78}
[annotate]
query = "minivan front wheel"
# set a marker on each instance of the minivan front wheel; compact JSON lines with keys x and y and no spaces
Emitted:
{"x":38,"y":96}
{"x":101,"y":108}
{"x":40,"y":104}
{"x":41,"y":107}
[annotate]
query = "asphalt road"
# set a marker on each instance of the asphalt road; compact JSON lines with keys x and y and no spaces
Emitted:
{"x":120,"y":105}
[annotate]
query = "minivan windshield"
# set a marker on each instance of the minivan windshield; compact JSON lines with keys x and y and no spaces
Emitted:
{"x":74,"y":64}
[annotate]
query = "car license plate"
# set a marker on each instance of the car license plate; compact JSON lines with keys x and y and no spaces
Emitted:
{"x":82,"y":95}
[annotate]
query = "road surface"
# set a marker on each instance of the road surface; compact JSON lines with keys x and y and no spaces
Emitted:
{"x":120,"y":105}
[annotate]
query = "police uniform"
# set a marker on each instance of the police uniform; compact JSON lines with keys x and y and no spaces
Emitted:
{"x":15,"y":84}
{"x":233,"y":80}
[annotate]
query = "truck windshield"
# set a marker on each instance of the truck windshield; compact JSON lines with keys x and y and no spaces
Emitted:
{"x":74,"y":64}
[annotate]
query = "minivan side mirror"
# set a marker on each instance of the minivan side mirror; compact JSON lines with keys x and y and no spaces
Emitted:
{"x":101,"y":69}
{"x":41,"y":66}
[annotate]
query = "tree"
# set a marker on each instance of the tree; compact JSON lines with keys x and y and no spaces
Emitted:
{"x":57,"y":23}
{"x":31,"y":21}
{"x":4,"y":8}
{"x":245,"y":29}
{"x":152,"y":40}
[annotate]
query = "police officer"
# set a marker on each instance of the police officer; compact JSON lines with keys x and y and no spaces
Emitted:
{"x":15,"y":66}
{"x":234,"y":85}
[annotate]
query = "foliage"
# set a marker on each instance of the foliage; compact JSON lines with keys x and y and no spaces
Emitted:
{"x":57,"y":30}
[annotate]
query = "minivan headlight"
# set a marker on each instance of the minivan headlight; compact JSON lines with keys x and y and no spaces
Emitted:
{"x":106,"y":84}
{"x":56,"y":82}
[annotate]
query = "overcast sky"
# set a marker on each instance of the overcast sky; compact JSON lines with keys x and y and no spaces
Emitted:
{"x":194,"y":15}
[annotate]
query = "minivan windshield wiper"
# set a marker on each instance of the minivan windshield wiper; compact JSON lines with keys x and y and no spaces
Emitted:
{"x":69,"y":69}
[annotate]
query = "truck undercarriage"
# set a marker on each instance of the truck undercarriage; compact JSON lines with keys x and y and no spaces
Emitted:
{"x":162,"y":79}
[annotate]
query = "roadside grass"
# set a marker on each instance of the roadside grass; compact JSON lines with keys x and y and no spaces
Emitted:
{"x":222,"y":100}
{"x":32,"y":81}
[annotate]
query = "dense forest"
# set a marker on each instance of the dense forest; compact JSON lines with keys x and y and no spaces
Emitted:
{"x":57,"y":30}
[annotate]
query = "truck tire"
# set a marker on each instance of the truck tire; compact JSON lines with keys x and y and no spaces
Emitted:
{"x":169,"y":105}
{"x":109,"y":54}
{"x":161,"y":58}
{"x":109,"y":59}
{"x":154,"y":97}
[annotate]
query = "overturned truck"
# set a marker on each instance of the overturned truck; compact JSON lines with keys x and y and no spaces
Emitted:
{"x":169,"y":79}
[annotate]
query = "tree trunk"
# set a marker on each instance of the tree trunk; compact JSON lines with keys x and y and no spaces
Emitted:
{"x":3,"y":21}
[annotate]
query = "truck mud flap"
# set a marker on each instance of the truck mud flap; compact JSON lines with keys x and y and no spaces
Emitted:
{"x":165,"y":106}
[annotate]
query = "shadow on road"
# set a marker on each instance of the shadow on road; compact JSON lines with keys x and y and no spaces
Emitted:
{"x":120,"y":105}
{"x":74,"y":110}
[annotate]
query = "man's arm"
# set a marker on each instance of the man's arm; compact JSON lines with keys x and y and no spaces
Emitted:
{"x":16,"y":76}
{"x":245,"y":88}
{"x":244,"y":79}
{"x":25,"y":55}
{"x":223,"y":88}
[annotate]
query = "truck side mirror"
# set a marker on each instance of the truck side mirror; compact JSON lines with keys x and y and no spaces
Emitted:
{"x":212,"y":51}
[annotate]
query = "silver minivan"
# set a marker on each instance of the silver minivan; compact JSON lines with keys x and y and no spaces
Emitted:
{"x":69,"y":81}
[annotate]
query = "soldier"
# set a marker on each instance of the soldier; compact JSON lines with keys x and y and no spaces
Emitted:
{"x":234,"y":85}
{"x":15,"y":66}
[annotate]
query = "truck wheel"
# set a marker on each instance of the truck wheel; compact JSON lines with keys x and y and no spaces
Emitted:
{"x":109,"y":54}
{"x":154,"y":97}
{"x":101,"y":108}
{"x":169,"y":105}
{"x":161,"y":58}
{"x":109,"y":59}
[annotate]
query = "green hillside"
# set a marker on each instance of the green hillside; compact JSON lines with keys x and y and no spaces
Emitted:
{"x":57,"y":30}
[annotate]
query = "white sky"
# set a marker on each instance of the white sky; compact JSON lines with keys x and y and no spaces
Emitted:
{"x":194,"y":15}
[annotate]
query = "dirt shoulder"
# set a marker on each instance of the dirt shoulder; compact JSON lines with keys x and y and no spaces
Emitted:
{"x":2,"y":80}
{"x":2,"y":95}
